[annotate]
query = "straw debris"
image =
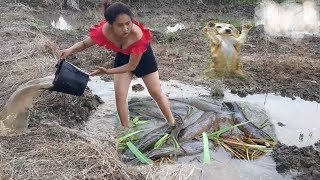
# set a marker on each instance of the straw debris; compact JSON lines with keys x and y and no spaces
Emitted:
{"x":55,"y":147}
{"x":55,"y":152}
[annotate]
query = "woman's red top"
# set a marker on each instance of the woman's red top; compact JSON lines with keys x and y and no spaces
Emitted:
{"x":137,"y":47}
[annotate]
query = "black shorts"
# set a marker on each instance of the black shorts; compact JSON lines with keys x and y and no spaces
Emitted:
{"x":147,"y":65}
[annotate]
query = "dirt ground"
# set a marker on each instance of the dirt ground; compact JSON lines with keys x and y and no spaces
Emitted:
{"x":305,"y":161}
{"x":271,"y":65}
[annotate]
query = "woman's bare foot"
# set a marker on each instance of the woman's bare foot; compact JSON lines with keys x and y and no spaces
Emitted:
{"x":171,"y":123}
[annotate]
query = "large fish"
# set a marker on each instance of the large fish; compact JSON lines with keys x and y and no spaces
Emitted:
{"x":225,"y":120}
{"x":201,"y":104}
{"x":186,"y":148}
{"x":148,"y":108}
{"x":193,"y":116}
{"x":203,"y":124}
{"x":147,"y":142}
{"x":249,"y":129}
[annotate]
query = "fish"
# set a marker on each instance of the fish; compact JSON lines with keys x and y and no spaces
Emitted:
{"x":186,"y":148}
{"x":203,"y":124}
{"x":146,"y":108}
{"x":192,"y":117}
{"x":225,"y":120}
{"x":148,"y":141}
{"x":249,"y":129}
{"x":201,"y":104}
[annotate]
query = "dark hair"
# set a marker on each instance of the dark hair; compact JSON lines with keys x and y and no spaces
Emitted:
{"x":111,"y":11}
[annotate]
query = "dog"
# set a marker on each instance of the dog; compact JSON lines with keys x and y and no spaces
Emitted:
{"x":225,"y":41}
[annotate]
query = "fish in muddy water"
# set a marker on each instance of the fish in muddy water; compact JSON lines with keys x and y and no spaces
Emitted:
{"x":192,"y":117}
{"x":225,"y":120}
{"x":147,"y":107}
{"x":203,"y":124}
{"x":147,"y":142}
{"x":15,"y":113}
{"x":185,"y":149}
{"x":249,"y":129}
{"x":201,"y":104}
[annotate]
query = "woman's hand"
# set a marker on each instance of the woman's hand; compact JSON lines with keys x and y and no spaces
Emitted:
{"x":65,"y":53}
{"x":99,"y":70}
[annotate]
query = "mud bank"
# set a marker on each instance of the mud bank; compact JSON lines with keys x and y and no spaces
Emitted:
{"x":302,"y":163}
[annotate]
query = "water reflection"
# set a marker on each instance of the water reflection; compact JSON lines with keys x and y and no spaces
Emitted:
{"x":297,"y":121}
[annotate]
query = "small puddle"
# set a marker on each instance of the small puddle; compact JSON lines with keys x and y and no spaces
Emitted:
{"x":296,"y":121}
{"x":61,"y":24}
{"x":175,"y":28}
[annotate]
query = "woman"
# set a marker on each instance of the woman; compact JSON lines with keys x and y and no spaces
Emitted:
{"x":120,"y":33}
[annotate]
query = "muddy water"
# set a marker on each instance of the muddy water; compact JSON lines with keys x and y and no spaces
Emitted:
{"x":296,"y":121}
{"x":14,"y":115}
{"x":225,"y":167}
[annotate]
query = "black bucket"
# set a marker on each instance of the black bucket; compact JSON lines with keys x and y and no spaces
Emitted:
{"x":69,"y":79}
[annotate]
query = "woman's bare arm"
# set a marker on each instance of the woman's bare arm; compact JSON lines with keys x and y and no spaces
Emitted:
{"x":77,"y":47}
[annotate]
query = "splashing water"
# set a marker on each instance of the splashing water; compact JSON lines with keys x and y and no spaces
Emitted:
{"x":61,"y":24}
{"x":289,"y":19}
{"x":175,"y":28}
{"x":14,"y":115}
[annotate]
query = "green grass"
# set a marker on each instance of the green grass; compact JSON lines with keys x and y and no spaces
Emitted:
{"x":161,"y":141}
{"x":125,"y":137}
{"x":217,"y":134}
{"x":136,"y":121}
{"x":141,"y":157}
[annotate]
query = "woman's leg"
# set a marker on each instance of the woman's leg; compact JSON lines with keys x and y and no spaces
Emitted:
{"x":152,"y":83}
{"x":121,"y":87}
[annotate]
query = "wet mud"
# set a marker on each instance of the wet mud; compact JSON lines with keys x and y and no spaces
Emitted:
{"x":302,"y":163}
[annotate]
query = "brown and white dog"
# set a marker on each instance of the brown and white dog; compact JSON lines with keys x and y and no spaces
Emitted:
{"x":225,"y":41}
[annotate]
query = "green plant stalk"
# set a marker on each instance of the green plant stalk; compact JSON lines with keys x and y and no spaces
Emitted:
{"x":120,"y":139}
{"x":176,"y":144}
{"x":206,"y":154}
{"x":141,"y":157}
{"x":138,"y":123}
{"x":135,"y":119}
{"x":161,"y":141}
{"x":122,"y":146}
{"x":221,"y":131}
